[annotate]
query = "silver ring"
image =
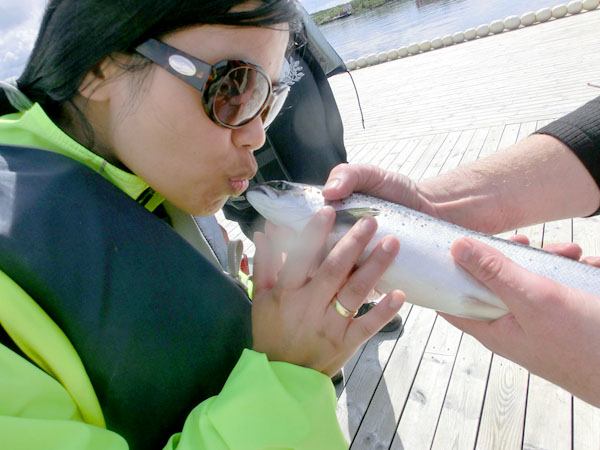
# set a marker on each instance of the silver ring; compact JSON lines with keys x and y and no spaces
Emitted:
{"x":342,"y":310}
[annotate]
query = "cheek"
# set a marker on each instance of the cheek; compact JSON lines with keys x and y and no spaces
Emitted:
{"x":169,"y":142}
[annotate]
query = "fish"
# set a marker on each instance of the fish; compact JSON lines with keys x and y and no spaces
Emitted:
{"x":424,"y":268}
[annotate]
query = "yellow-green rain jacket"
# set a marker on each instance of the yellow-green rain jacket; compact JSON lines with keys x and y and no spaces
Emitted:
{"x":51,"y":400}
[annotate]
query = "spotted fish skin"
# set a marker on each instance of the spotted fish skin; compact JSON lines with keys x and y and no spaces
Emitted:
{"x":424,"y":268}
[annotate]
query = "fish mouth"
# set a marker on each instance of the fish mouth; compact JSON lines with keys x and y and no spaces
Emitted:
{"x":272,"y":188}
{"x":264,"y":189}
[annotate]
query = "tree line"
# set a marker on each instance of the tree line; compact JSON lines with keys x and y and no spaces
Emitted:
{"x":327,"y":15}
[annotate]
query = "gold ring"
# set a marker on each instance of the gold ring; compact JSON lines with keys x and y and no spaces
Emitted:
{"x":342,"y":310}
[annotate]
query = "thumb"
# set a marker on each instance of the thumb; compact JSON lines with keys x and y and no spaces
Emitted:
{"x":347,"y":178}
{"x":341,"y":182}
{"x":522,"y":291}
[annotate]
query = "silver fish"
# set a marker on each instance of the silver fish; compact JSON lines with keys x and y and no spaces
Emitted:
{"x":424,"y":268}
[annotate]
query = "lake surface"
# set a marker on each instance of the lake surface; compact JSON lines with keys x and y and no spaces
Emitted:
{"x":405,"y":21}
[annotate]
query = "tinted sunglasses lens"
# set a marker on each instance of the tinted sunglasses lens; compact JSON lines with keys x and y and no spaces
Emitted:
{"x":241,"y":96}
{"x":272,"y":110}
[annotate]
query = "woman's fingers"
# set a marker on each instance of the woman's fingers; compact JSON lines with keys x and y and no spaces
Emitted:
{"x":363,"y":280}
{"x":264,"y":273}
{"x":366,"y":326}
{"x":303,"y":255}
{"x":337,"y":266}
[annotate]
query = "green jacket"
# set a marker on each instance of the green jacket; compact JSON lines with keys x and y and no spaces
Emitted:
{"x":51,"y":399}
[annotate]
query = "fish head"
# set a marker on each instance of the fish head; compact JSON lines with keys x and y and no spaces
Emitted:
{"x":285,"y":203}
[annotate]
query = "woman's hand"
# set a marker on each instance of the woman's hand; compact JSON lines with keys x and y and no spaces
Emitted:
{"x":293,"y":315}
{"x":552,"y":330}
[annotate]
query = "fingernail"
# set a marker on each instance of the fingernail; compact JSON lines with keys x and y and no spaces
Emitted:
{"x":325,"y":214}
{"x":333,"y":184}
{"x":463,"y":251}
{"x":368,"y":225}
{"x":388,"y":246}
{"x":395,"y":303}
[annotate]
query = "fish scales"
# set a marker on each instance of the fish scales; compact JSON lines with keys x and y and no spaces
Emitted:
{"x":424,"y":268}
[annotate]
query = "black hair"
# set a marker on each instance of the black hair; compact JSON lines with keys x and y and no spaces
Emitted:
{"x":76,"y":35}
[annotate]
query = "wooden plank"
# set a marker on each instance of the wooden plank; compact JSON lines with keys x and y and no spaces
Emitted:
{"x":347,"y":371}
{"x":354,"y":150}
{"x":503,"y":413}
{"x":361,"y":150}
{"x":365,"y":377}
{"x":492,"y":140}
{"x":459,"y":418}
{"x":413,"y":156}
{"x":420,"y":416}
{"x":509,"y":136}
{"x":586,"y":426}
{"x":585,"y":233}
{"x":444,"y":152}
{"x":548,"y":409}
{"x":381,"y":417}
{"x":394,"y":153}
{"x":543,"y":123}
{"x":458,"y":150}
{"x":408,"y":152}
{"x":423,"y":162}
{"x":475,"y":146}
{"x":526,"y":129}
{"x":557,"y":232}
{"x":379,"y":153}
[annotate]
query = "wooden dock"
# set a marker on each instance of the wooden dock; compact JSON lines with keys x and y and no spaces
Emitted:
{"x":435,"y":387}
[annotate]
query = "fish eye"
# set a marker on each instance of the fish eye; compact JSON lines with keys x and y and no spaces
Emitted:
{"x":279,"y":185}
{"x":282,"y":186}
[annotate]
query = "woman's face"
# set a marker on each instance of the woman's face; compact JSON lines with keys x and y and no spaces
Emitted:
{"x":162,"y":133}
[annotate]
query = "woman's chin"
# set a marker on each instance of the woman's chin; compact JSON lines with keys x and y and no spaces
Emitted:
{"x":206,"y":209}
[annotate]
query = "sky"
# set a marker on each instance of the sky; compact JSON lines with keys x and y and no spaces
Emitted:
{"x":19,"y":21}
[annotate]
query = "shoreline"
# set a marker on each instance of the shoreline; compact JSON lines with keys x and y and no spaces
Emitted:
{"x":510,"y":23}
{"x":339,"y":9}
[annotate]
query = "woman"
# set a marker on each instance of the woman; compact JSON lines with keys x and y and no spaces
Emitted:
{"x":118,"y":333}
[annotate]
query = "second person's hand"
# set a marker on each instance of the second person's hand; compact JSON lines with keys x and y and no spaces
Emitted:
{"x":372,"y":180}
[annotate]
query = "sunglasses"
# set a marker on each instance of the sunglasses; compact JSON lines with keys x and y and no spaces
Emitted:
{"x":234,"y":91}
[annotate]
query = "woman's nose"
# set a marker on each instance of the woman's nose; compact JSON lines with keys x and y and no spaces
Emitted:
{"x":251,"y":136}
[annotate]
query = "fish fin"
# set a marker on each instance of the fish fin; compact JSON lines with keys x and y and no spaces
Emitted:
{"x":351,"y":216}
{"x":474,"y":308}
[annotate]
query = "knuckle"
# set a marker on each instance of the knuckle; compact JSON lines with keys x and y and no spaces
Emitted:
{"x":358,"y":289}
{"x":368,"y":328}
{"x":383,"y":257}
{"x":490,"y":267}
{"x":333,"y":267}
{"x":358,"y":235}
{"x":278,"y":293}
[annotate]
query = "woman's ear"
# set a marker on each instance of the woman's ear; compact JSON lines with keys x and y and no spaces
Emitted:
{"x":96,"y":85}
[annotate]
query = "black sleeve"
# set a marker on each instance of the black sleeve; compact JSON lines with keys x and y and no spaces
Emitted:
{"x":580,"y":131}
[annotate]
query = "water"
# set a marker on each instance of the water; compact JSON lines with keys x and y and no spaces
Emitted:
{"x":402,"y":22}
